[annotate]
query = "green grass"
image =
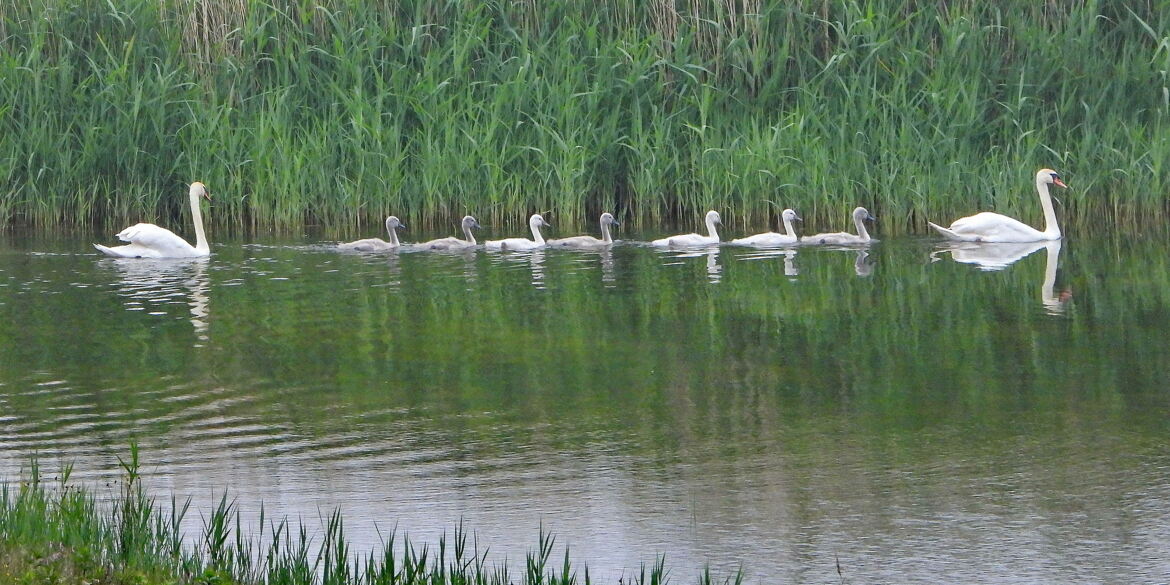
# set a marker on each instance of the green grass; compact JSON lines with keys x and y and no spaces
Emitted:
{"x":338,"y":112}
{"x":57,"y":533}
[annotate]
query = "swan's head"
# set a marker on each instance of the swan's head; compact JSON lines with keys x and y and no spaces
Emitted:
{"x":1049,"y":176}
{"x":199,"y":190}
{"x":713,"y":217}
{"x":861,"y":214}
{"x":470,"y":222}
{"x":536,"y":221}
{"x":607,"y":219}
{"x":393,"y":223}
{"x":790,"y":215}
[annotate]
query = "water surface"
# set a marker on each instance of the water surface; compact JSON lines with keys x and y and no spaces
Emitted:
{"x":919,"y":414}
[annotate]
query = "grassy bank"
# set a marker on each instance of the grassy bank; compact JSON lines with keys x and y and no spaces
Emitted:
{"x":54,"y":532}
{"x":340,"y":111}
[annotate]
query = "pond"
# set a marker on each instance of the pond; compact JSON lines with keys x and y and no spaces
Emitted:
{"x":909,"y":412}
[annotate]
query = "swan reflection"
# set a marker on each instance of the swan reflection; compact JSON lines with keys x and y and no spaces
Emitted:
{"x":863,"y":265}
{"x":790,"y":268}
{"x":988,"y":256}
{"x":1054,"y":302}
{"x":998,"y":256}
{"x":789,"y":255}
{"x":714,"y":270}
{"x":519,"y":259}
{"x":536,"y":265}
{"x":607,"y":274}
{"x":147,"y":284}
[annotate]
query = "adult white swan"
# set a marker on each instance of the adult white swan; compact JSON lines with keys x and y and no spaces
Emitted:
{"x":860,"y":216}
{"x":453,"y":243}
{"x":534,"y":223}
{"x":150,"y":241}
{"x":773,"y":239}
{"x":994,"y":227}
{"x":685,"y":240}
{"x":589,"y":241}
{"x":376,"y":244}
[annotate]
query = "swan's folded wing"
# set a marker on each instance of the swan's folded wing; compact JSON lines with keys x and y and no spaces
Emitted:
{"x":990,"y":226}
{"x":576,"y":241}
{"x":441,"y":243}
{"x":766,"y":239}
{"x":151,"y":236}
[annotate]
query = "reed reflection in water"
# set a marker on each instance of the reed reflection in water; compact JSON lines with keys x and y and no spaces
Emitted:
{"x":925,"y":419}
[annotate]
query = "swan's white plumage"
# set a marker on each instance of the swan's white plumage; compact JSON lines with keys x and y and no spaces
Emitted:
{"x":377,"y":244}
{"x":451,"y":243}
{"x":860,"y":216}
{"x":147,"y":240}
{"x":607,"y":220}
{"x":994,"y":227}
{"x":773,"y":239}
{"x":534,"y":223}
{"x":688,"y":240}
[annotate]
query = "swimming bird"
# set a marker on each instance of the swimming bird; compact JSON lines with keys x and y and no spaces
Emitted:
{"x":376,"y":244}
{"x":773,"y":239}
{"x":452,"y":243}
{"x":588,"y":241}
{"x":685,"y":240}
{"x":994,"y":227}
{"x":860,"y":215}
{"x":534,"y":223}
{"x":151,"y":241}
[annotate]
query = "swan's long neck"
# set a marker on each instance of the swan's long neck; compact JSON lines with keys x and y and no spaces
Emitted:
{"x":788,"y":229}
{"x":197,"y":217}
{"x":468,"y":235}
{"x":711,"y":233}
{"x":393,"y":235}
{"x":539,"y":239}
{"x":605,"y":237}
{"x":861,"y":231}
{"x":1051,"y":228}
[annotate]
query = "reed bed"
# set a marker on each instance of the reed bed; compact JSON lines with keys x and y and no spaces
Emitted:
{"x":56,"y":532}
{"x":337,"y":112}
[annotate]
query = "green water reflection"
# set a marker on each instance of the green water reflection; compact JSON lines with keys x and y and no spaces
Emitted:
{"x":761,"y":407}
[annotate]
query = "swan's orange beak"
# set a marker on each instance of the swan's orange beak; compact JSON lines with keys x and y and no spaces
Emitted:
{"x":1056,"y":181}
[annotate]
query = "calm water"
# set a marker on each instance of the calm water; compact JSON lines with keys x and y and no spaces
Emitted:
{"x":920,"y":415}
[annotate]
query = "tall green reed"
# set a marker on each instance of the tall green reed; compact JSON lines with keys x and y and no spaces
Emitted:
{"x":337,"y":112}
{"x":134,"y":539}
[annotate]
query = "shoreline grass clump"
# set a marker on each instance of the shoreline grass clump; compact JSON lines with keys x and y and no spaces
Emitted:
{"x":57,"y":532}
{"x":338,"y":112}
